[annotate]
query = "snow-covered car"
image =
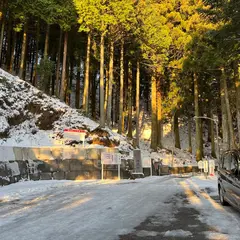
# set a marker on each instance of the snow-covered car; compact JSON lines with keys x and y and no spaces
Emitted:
{"x":229,"y":178}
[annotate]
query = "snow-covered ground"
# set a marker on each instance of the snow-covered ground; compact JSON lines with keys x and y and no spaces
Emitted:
{"x":106,"y":209}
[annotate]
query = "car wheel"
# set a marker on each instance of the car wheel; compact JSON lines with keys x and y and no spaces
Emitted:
{"x":221,"y":197}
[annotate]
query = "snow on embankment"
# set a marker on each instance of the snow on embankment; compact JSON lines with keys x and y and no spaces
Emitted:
{"x":28,"y":117}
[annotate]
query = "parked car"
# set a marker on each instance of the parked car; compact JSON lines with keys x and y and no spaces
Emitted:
{"x":229,"y":178}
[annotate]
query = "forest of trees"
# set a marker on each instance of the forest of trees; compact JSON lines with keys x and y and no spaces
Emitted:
{"x":180,"y":58}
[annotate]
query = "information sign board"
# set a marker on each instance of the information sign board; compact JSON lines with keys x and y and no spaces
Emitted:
{"x":110,"y":158}
{"x":75,"y":134}
{"x":200,"y":165}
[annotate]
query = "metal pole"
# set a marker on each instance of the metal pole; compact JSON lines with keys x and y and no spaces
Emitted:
{"x":151,"y":167}
{"x":102,"y":171}
{"x":119,"y":177}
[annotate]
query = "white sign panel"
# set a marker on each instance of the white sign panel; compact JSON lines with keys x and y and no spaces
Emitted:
{"x":211,"y":167}
{"x":205,"y":166}
{"x":110,"y":158}
{"x":116,"y":158}
{"x":146,"y":162}
{"x":200,"y":165}
{"x":74,"y":134}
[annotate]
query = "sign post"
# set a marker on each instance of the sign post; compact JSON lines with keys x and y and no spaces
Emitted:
{"x":102,"y":172}
{"x":119,"y":177}
{"x":205,"y":167}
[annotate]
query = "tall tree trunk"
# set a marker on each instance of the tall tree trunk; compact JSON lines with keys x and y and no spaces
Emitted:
{"x":199,"y":153}
{"x":67,"y":89}
{"x":115,"y":104}
{"x":209,"y":135}
{"x":176,"y":130}
{"x":159,"y":113}
{"x":64,"y":79}
{"x":129,"y":101}
{"x":12,"y":52}
{"x":58,"y":64}
{"x":53,"y":75}
{"x":32,"y":60}
{"x":225,"y":127}
{"x":121,"y":117}
{"x":237,"y":84}
{"x":36,"y":55}
{"x":93,"y":96}
{"x":1,"y":39}
{"x":213,"y":151}
{"x":77,"y":99}
{"x":154,"y":114}
{"x":229,"y":114}
{"x":18,"y":52}
{"x":102,"y":114}
{"x":10,"y":43}
{"x":137,"y":104}
{"x":71,"y":63}
{"x":110,"y":84}
{"x":44,"y":81}
{"x":146,"y":93}
{"x":46,"y":45}
{"x":106,"y":91}
{"x":86,"y":77}
{"x":23,"y":53}
{"x":189,"y":135}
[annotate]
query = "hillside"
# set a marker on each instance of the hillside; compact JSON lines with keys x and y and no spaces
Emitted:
{"x":30,"y":117}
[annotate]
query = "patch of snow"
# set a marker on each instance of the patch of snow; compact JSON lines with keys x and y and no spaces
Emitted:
{"x":144,"y":233}
{"x":3,"y":124}
{"x":178,"y":233}
{"x":23,"y":190}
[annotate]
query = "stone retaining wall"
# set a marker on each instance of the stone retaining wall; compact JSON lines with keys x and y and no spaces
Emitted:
{"x":53,"y":163}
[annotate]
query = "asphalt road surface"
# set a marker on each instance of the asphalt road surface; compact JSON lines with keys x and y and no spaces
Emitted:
{"x":151,"y":208}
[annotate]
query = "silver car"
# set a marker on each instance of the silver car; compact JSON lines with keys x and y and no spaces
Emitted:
{"x":229,"y":178}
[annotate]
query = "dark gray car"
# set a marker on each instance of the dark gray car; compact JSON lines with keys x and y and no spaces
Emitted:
{"x":229,"y":178}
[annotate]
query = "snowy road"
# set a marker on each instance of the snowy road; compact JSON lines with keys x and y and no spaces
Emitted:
{"x":94,"y":210}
